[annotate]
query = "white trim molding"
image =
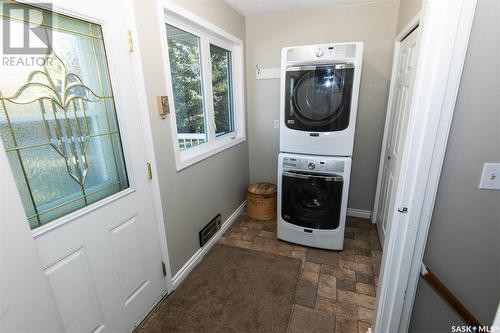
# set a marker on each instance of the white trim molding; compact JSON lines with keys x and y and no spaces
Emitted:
{"x":196,"y":258}
{"x":446,"y":26}
{"x":360,"y":213}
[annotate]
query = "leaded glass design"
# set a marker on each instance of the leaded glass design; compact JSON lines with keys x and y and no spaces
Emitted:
{"x":58,"y":121}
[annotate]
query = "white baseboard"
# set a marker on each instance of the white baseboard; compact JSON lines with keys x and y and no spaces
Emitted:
{"x":196,"y":258}
{"x":363,"y":214}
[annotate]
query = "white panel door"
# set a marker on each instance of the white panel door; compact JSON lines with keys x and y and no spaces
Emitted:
{"x":71,"y":130}
{"x":398,"y":121}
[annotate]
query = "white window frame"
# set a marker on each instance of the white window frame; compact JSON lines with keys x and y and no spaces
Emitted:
{"x":208,"y":34}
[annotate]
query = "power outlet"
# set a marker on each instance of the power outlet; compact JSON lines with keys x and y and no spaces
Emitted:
{"x":490,"y":178}
{"x":276,"y":124}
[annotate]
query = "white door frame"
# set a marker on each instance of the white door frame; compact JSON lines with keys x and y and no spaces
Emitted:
{"x":445,"y":31}
{"x":148,"y":139}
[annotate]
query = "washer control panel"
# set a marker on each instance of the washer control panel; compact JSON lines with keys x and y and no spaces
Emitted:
{"x":321,"y":52}
{"x":315,"y":164}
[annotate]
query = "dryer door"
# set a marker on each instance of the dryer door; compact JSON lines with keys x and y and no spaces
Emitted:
{"x":311,"y":200}
{"x":318,"y":98}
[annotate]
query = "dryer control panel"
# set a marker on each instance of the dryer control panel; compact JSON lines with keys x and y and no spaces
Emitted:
{"x":321,"y":52}
{"x":313,"y":164}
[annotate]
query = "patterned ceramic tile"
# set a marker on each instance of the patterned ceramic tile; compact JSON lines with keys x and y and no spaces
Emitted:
{"x":336,"y":291}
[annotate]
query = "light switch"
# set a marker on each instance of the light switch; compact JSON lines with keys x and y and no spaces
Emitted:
{"x":490,"y":179}
{"x":276,"y":124}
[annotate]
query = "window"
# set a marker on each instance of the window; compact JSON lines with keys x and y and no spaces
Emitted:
{"x":59,"y":125}
{"x":206,"y":85}
{"x":185,"y":69}
{"x":221,"y":87}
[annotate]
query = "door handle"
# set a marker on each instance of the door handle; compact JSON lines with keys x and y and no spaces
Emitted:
{"x":403,"y":210}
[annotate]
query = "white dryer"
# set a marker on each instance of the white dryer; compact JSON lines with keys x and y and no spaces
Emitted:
{"x":312,"y":199}
{"x":319,"y":98}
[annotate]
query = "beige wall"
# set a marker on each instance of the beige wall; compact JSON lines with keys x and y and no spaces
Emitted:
{"x":463,"y":244}
{"x":372,"y":23}
{"x":193,"y":196}
{"x":218,"y":13}
{"x":407,"y":11}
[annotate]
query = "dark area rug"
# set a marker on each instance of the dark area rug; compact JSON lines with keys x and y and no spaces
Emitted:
{"x":231,"y":290}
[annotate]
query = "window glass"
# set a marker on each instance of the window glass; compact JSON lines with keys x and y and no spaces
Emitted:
{"x":185,"y":68}
{"x":222,"y":90}
{"x":58,"y":120}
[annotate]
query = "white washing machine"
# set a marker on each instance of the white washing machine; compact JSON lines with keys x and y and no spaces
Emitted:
{"x":319,"y":98}
{"x":312,"y":199}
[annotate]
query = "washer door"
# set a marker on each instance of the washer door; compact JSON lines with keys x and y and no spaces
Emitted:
{"x":311,"y":200}
{"x":318,"y":98}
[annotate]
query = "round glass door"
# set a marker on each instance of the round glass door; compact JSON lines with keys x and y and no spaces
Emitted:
{"x":311,"y":200}
{"x":318,"y":96}
{"x":318,"y":99}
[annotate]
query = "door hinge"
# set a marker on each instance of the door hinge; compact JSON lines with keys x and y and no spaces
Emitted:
{"x":164,"y":268}
{"x":149,"y":170}
{"x":403,"y":210}
{"x":129,"y":41}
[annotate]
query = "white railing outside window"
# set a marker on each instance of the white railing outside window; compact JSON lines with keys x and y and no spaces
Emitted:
{"x":188,"y":140}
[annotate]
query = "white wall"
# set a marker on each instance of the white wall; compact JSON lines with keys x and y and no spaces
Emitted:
{"x":372,"y":23}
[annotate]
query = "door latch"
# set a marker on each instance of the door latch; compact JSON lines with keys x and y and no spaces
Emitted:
{"x":163,"y":268}
{"x":149,"y":170}
{"x":403,"y":210}
{"x":130,"y":43}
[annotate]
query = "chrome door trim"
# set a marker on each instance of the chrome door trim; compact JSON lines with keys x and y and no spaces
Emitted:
{"x":333,"y":178}
{"x":313,"y":67}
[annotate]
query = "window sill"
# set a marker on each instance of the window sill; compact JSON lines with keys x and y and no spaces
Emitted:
{"x":197,"y":154}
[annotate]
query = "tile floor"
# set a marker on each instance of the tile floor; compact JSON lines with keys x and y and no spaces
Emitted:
{"x":336,"y":291}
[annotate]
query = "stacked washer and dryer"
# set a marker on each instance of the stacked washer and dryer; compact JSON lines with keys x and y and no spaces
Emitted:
{"x":319,"y":101}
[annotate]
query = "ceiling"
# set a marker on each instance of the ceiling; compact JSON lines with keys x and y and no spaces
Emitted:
{"x":268,"y":7}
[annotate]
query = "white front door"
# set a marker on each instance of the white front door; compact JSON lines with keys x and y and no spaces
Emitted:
{"x":71,"y":129}
{"x":398,"y":121}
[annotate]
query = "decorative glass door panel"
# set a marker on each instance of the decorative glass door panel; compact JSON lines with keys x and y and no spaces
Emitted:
{"x":58,"y":120}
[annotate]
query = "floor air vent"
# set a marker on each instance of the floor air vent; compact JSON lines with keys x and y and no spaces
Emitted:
{"x":209,"y":230}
